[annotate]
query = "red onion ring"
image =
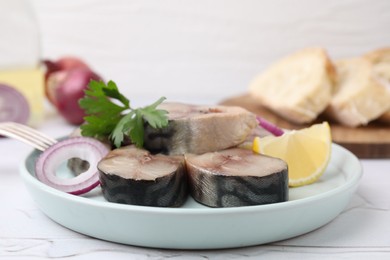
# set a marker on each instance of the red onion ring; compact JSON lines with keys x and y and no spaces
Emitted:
{"x":85,"y":148}
{"x":273,"y":129}
{"x":14,"y":106}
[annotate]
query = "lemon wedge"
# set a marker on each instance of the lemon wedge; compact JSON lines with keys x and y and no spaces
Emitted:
{"x":306,"y":151}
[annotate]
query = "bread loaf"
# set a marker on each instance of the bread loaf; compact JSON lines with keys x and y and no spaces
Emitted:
{"x":380,"y":60}
{"x":358,"y":96}
{"x":298,"y":87}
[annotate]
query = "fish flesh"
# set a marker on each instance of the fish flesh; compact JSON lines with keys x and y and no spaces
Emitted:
{"x":199,"y":129}
{"x":236,"y":177}
{"x":130,"y":175}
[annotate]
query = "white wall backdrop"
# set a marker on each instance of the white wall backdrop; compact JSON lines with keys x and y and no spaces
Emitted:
{"x":208,"y":49}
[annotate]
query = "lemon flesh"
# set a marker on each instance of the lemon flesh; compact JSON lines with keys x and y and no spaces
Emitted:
{"x":306,"y":151}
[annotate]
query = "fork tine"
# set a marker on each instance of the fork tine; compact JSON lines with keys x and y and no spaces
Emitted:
{"x":33,"y":133}
{"x":33,"y":143}
{"x":27,"y":135}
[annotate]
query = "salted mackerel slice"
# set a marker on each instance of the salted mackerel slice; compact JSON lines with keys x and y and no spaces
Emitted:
{"x":236,"y":177}
{"x":130,"y":175}
{"x":199,"y":129}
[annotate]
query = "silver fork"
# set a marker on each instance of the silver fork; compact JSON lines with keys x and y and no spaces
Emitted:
{"x":27,"y":135}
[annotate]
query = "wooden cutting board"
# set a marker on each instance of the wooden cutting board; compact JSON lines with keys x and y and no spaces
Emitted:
{"x":371,"y":141}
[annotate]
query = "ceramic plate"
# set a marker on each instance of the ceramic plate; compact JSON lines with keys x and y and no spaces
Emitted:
{"x":194,"y":226}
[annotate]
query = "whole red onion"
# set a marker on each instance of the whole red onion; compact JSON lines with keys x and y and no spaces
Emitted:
{"x":66,"y":88}
{"x":64,"y":63}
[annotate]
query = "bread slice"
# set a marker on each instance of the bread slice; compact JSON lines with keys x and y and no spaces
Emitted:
{"x":298,"y":87}
{"x":380,"y":60}
{"x":358,"y":97}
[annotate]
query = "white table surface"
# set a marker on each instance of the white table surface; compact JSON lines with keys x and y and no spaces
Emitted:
{"x":362,"y":231}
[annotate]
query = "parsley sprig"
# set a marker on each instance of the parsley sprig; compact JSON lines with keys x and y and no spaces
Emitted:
{"x":109,"y":115}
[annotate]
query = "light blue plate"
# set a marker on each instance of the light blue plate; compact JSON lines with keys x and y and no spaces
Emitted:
{"x":194,"y":226}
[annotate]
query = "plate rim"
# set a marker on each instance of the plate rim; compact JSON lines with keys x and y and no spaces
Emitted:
{"x":210,"y":228}
{"x":27,"y":176}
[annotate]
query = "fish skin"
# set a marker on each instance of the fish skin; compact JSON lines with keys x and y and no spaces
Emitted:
{"x":232,"y":191}
{"x":77,"y":165}
{"x":214,"y":188}
{"x":169,"y":190}
{"x":199,"y":129}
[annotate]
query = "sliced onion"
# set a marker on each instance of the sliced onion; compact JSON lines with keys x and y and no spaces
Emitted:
{"x":14,"y":106}
{"x":85,"y":148}
{"x":273,"y":129}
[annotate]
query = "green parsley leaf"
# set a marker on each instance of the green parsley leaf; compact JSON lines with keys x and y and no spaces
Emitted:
{"x":123,"y":126}
{"x":157,"y":118}
{"x":113,"y":92}
{"x":98,"y":127}
{"x":137,"y":129}
{"x":96,"y":99}
{"x":109,"y":115}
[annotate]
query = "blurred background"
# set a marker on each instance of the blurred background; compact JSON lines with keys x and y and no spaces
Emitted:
{"x":200,"y":51}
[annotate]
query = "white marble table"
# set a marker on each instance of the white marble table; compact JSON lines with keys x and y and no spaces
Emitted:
{"x":362,"y":231}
